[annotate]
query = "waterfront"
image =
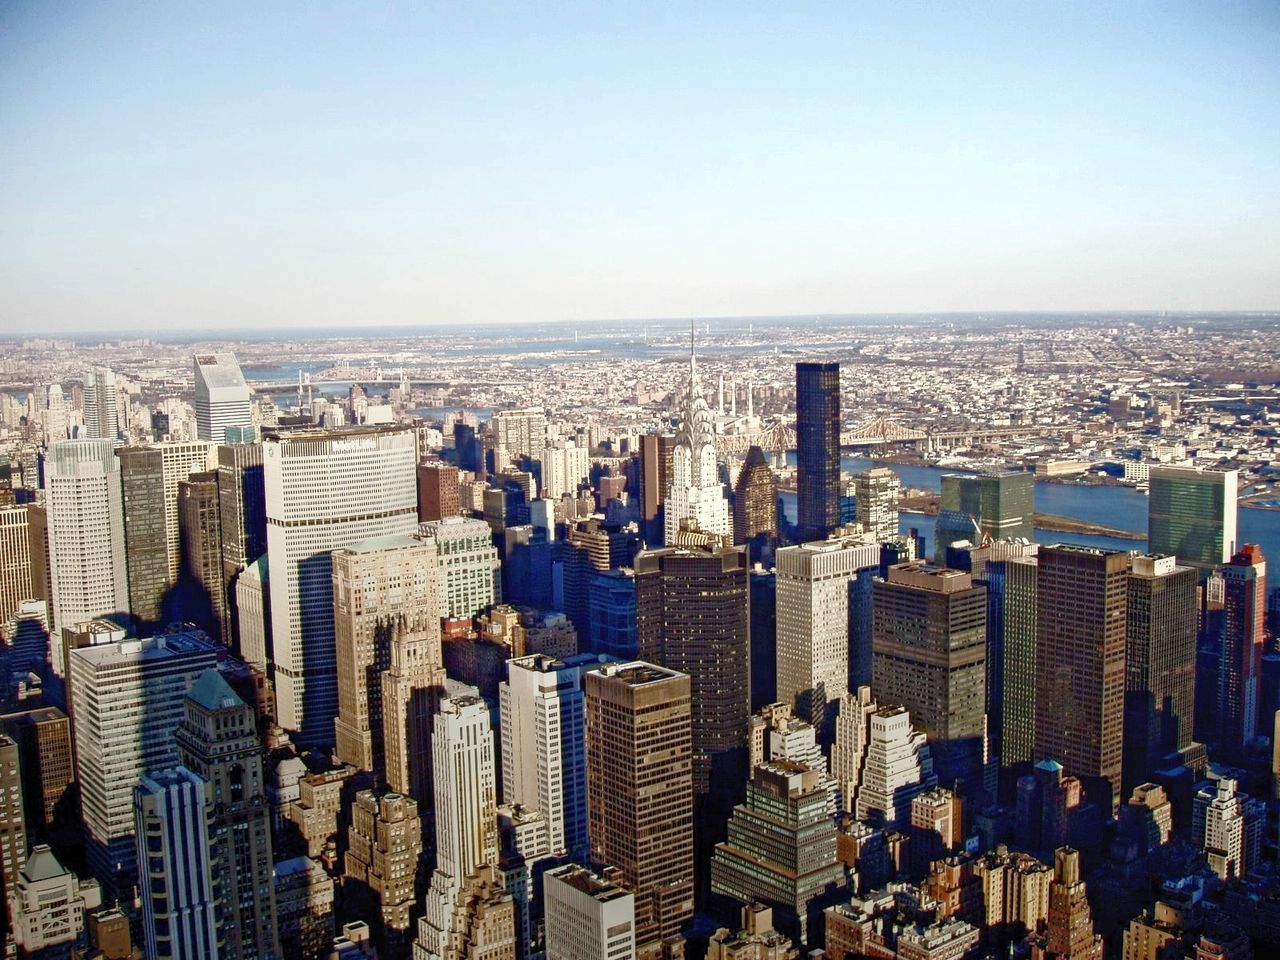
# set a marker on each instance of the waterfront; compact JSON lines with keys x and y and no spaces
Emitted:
{"x":1121,"y":508}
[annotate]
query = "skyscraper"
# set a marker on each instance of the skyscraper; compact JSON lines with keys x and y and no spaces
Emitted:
{"x":177,"y":875}
{"x":543,"y":756}
{"x":146,"y":546}
{"x":56,"y":421}
{"x":521,"y":433}
{"x":381,"y":867}
{"x":813,"y":585}
{"x":695,"y":492}
{"x":86,"y":532}
{"x":439,"y":492}
{"x":1160,"y":665}
{"x":105,"y":416}
{"x":818,"y":448}
{"x":640,"y":791}
{"x":1080,"y":674}
{"x":849,"y":753}
{"x":43,"y":736}
{"x":152,"y":536}
{"x":896,"y":768}
{"x":203,"y":596}
{"x":1192,"y":515}
{"x":13,"y":829}
{"x":781,"y":849}
{"x":222,"y":396}
{"x":755,"y":506}
{"x":325,"y":489}
{"x":1002,"y":505}
{"x":1245,"y":583}
{"x":15,"y":560}
{"x":242,"y":504}
{"x":412,"y":685}
{"x":1069,"y":927}
{"x":1018,"y":694}
{"x":127,"y":698}
{"x":693,"y":616}
{"x":466,"y":815}
{"x":217,"y":740}
{"x":876,"y":493}
{"x":1227,"y":825}
{"x":382,"y":588}
{"x":655,"y":477}
{"x":472,"y":581}
{"x":929,"y":654}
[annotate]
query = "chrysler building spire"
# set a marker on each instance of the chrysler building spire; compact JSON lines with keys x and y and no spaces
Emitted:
{"x":696,"y":492}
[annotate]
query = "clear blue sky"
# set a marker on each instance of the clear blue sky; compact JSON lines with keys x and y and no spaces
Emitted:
{"x":169,"y":165}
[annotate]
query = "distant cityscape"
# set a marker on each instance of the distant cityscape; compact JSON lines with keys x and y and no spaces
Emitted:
{"x":899,"y":637}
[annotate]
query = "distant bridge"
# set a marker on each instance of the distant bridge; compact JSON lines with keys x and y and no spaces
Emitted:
{"x":778,"y":438}
{"x":881,"y":432}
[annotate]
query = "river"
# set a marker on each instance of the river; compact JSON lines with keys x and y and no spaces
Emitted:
{"x":1121,"y":508}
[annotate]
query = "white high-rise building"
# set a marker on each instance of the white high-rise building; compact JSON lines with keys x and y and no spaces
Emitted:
{"x":1227,"y":825}
{"x":86,"y":532}
{"x":173,"y":860}
{"x":48,"y":904}
{"x":853,"y":733}
{"x":543,"y":753}
{"x":57,"y":418}
{"x":105,"y":413}
{"x":466,"y":814}
{"x":565,"y":465}
{"x":222,"y":396}
{"x":897,"y":768}
{"x":813,"y":615}
{"x":127,"y":699}
{"x":325,"y":489}
{"x":587,"y":917}
{"x":876,"y":494}
{"x":180,"y":460}
{"x":470,"y":562}
{"x":521,"y":433}
{"x":695,"y":492}
{"x":15,"y":560}
{"x":776,"y":734}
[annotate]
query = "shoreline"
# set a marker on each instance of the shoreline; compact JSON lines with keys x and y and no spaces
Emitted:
{"x":1043,"y":521}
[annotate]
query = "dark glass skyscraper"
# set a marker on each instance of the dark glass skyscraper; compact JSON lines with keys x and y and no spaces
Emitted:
{"x":1246,"y":603}
{"x":1160,"y":665}
{"x":818,"y":448}
{"x":1002,"y":505}
{"x":1081,"y":632}
{"x":693,"y":615}
{"x":929,"y":649}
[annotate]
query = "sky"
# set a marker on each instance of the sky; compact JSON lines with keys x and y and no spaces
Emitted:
{"x":171,"y":166}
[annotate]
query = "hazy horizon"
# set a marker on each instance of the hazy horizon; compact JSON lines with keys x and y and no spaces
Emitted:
{"x":187,"y":168}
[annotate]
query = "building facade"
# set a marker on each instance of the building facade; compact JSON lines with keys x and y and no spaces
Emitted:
{"x":178,"y":904}
{"x":929,"y":651}
{"x":817,"y":449}
{"x":222,"y":396}
{"x":1192,"y":515}
{"x":1244,"y":603}
{"x":640,"y":791}
{"x":86,"y":532}
{"x":1081,"y":635}
{"x":587,"y":916}
{"x":325,"y":489}
{"x":217,"y":740}
{"x":127,"y":698}
{"x":693,"y":616}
